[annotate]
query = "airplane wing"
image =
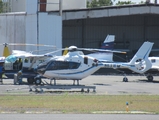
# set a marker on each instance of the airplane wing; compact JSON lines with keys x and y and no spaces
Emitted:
{"x":23,"y":54}
{"x":19,"y":53}
{"x":2,"y":59}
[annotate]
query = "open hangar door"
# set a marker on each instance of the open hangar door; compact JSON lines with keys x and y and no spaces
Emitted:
{"x":130,"y":32}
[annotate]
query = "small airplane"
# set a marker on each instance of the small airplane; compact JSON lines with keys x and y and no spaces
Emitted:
{"x":76,"y":66}
{"x":153,"y":69}
{"x":22,"y":61}
{"x":108,"y":44}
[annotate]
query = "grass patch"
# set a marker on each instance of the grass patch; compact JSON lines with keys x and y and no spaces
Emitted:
{"x":78,"y":103}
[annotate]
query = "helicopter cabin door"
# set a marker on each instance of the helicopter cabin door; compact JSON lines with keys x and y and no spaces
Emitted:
{"x":85,"y":60}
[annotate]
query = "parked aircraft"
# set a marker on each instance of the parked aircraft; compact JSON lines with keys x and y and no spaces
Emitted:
{"x":27,"y":61}
{"x":76,"y":66}
{"x":108,"y":44}
{"x":153,"y":69}
{"x":109,"y":57}
{"x":22,"y":61}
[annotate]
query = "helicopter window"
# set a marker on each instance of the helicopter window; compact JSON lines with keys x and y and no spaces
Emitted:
{"x":153,"y":60}
{"x":60,"y":65}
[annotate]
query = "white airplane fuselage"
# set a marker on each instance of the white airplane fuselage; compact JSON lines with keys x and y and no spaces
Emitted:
{"x":155,"y":63}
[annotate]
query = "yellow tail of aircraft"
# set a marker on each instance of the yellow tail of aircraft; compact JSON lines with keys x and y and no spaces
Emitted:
{"x":6,"y":52}
{"x":65,"y":52}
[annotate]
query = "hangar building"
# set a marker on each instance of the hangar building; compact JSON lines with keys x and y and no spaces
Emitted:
{"x":131,"y":25}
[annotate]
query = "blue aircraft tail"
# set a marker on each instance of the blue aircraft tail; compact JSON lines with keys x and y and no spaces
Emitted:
{"x":108,"y":44}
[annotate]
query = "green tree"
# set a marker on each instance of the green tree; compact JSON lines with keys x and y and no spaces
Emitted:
{"x":105,"y":2}
{"x":124,"y":2}
{"x":1,"y":6}
{"x":99,"y":3}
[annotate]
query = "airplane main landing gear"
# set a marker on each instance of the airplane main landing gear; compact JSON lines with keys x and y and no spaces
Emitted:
{"x":125,"y":79}
{"x":150,"y":78}
{"x":30,"y":80}
{"x":37,"y":80}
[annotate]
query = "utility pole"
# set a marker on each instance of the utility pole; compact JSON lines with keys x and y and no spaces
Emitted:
{"x":60,"y":7}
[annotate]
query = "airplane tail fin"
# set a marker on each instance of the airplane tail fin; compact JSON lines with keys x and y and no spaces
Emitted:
{"x":6,"y":52}
{"x":140,"y":62}
{"x":65,"y":52}
{"x":108,"y":44}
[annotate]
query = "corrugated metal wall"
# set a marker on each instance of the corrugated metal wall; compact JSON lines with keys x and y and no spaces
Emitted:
{"x":130,"y":31}
{"x":50,"y":30}
{"x":23,"y":28}
{"x":12,"y":30}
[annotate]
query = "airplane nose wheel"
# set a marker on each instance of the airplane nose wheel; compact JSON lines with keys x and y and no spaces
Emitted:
{"x":125,"y":79}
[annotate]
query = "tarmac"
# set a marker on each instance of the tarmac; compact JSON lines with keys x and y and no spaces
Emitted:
{"x":103,"y":84}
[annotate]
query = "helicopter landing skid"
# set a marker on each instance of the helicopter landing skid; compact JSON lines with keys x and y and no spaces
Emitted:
{"x":51,"y":83}
{"x":62,"y":87}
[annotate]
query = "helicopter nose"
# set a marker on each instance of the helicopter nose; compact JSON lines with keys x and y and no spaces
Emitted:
{"x":39,"y":70}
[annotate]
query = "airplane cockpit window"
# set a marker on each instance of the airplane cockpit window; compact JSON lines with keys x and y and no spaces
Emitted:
{"x":61,"y":65}
{"x":26,"y":60}
{"x":11,"y":58}
{"x":153,"y":60}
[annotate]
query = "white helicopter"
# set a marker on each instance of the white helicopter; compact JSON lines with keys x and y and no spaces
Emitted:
{"x":76,"y":66}
{"x":26,"y":61}
{"x":154,"y":60}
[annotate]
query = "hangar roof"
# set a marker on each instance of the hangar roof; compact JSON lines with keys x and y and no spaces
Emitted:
{"x":109,"y":11}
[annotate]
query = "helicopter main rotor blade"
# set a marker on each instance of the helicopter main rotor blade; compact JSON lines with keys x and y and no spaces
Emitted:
{"x":100,"y":50}
{"x":25,"y":44}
